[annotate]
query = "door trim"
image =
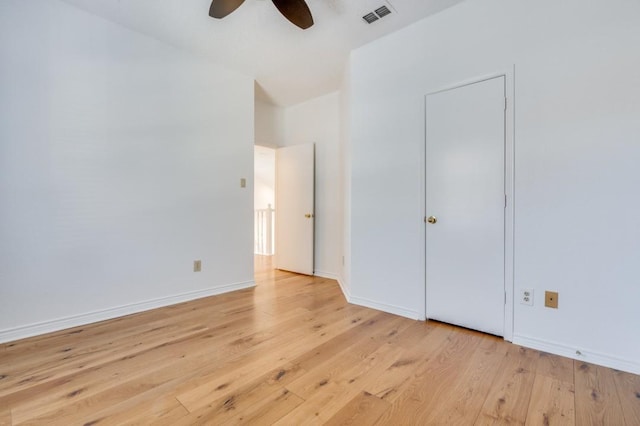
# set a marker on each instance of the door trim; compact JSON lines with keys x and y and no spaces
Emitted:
{"x":509,"y":176}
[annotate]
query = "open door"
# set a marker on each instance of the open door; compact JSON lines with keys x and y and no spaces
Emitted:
{"x":295,"y":183}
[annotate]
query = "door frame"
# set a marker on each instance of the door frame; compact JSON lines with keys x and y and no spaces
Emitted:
{"x":509,"y":175}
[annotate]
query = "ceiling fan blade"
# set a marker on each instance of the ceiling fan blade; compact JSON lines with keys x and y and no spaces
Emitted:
{"x":296,"y":11}
{"x":221,"y":8}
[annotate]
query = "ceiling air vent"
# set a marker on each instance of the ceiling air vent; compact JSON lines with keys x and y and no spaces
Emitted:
{"x":382,"y":11}
{"x":370,"y":18}
{"x":378,"y":13}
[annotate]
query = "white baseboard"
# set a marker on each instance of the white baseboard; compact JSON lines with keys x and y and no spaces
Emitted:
{"x":384,"y":307}
{"x":328,"y":275}
{"x":31,"y":330}
{"x":392,"y":309}
{"x":345,"y":290}
{"x":631,"y":366}
{"x":332,"y":276}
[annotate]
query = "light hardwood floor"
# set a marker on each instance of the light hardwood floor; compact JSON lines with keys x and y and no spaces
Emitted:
{"x":292,"y":352}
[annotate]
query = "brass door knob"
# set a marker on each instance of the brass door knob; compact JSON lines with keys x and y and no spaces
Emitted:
{"x":308,"y":215}
{"x":432,"y":219}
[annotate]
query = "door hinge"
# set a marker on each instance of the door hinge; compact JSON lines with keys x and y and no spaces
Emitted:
{"x":505,"y":201}
{"x":505,"y":104}
{"x":505,"y":297}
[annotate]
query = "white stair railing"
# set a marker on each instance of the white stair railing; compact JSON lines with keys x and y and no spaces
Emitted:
{"x":264,"y":222}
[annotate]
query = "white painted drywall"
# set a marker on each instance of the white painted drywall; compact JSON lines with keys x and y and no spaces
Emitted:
{"x":269,"y":124}
{"x":318,"y":121}
{"x":345,"y":178}
{"x":120,"y":163}
{"x":577,"y":109}
{"x":264,"y":177}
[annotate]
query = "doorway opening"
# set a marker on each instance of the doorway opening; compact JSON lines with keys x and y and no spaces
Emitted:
{"x":264,"y":207}
{"x":284,"y":217}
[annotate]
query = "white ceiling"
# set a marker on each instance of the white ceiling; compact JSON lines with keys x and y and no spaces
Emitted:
{"x":290,"y":65}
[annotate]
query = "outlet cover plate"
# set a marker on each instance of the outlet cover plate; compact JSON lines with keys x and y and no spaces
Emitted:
{"x":526,"y":296}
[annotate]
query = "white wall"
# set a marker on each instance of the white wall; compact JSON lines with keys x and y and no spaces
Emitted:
{"x":120,"y":161}
{"x":269,"y":124}
{"x":264,"y":177}
{"x":345,"y":177}
{"x":577,"y":94}
{"x":318,"y":121}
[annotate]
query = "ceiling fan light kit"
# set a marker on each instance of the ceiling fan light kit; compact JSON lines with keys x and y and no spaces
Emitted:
{"x":296,"y":11}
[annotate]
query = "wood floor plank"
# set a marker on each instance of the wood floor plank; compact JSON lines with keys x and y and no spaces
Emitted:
{"x":360,"y":375}
{"x":293,"y":351}
{"x":316,"y":410}
{"x":597,"y":400}
{"x":203,"y":377}
{"x":555,"y":367}
{"x":344,"y":367}
{"x":86,"y":335}
{"x":163,"y":409}
{"x":5,"y":417}
{"x":397,"y":377}
{"x":78,"y":386}
{"x":326,"y":396}
{"x":463,"y":399}
{"x":83,"y":409}
{"x":552,"y":402}
{"x":34,"y":346}
{"x":62,"y":394}
{"x":227,"y":387}
{"x":68,"y":344}
{"x":413,"y":405}
{"x":140,"y":365}
{"x":413,"y":334}
{"x":234,"y":327}
{"x":269,"y":410}
{"x":628,"y":388}
{"x":364,"y":409}
{"x":224,"y":408}
{"x":508,"y":399}
{"x":384,"y":334}
{"x":382,"y":322}
{"x":59,"y":367}
{"x":95,"y":398}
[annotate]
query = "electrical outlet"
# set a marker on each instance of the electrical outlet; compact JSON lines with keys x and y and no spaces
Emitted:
{"x":551,"y":299}
{"x":243,"y":183}
{"x":526,"y":296}
{"x":197,"y":265}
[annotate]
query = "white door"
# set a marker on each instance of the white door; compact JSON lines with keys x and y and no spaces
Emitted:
{"x":465,"y":202}
{"x":295,"y":174}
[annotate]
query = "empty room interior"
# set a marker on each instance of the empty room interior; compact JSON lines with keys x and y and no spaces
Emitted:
{"x":366,"y":212}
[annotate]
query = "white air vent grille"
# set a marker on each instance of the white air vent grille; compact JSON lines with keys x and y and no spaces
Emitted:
{"x":382,"y":11}
{"x":370,"y":18}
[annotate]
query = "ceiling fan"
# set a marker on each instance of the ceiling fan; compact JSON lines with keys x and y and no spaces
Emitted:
{"x":296,"y":11}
